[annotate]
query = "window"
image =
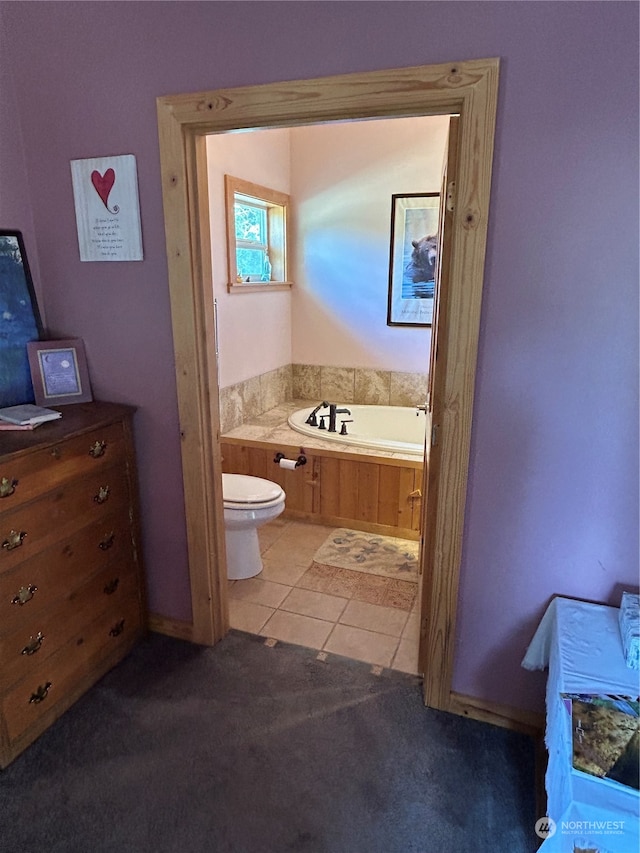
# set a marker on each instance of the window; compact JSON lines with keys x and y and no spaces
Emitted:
{"x":257,"y":221}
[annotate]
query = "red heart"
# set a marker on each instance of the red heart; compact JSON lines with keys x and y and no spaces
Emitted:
{"x":103,"y":184}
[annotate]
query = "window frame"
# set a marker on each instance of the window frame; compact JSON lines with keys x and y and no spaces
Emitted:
{"x":277,"y":205}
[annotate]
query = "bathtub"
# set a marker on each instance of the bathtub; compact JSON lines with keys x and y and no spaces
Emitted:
{"x":398,"y":429}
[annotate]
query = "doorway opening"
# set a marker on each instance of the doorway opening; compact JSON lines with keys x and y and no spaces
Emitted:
{"x":468,"y":89}
{"x":327,"y":337}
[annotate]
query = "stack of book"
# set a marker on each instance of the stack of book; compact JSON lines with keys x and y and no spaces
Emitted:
{"x":26,"y":416}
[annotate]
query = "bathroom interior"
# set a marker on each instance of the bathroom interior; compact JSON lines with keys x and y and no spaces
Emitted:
{"x":326,"y":338}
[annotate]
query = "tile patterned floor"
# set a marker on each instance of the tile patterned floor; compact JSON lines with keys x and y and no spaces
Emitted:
{"x":366,"y":617}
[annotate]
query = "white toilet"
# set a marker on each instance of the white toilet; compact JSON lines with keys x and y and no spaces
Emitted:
{"x":249,"y":502}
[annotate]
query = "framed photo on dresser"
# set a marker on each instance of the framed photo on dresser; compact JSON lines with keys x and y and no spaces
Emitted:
{"x":59,"y":372}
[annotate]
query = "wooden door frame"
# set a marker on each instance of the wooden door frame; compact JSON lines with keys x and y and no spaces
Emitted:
{"x":468,"y":88}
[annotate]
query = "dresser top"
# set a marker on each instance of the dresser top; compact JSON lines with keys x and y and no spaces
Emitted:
{"x":76,"y":419}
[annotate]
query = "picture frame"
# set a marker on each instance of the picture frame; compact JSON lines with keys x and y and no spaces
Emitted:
{"x":107,"y":206}
{"x":59,"y":372}
{"x":20,"y":320}
{"x":412,"y":258}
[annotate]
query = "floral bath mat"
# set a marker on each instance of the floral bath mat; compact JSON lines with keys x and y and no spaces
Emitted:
{"x":370,"y":552}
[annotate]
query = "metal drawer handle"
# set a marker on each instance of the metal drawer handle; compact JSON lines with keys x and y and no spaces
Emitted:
{"x":117,"y":629}
{"x":14,"y":539}
{"x":41,"y":694}
{"x":25,"y":593}
{"x":33,"y":646}
{"x":7,"y":487}
{"x":107,"y":542}
{"x":97,"y":450}
{"x":103,"y":495}
{"x":111,"y":587}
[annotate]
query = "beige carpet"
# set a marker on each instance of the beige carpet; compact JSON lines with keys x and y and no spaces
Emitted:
{"x":370,"y":552}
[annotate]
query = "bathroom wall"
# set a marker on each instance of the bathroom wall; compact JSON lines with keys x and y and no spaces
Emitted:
{"x":342,"y":178}
{"x":254,"y":329}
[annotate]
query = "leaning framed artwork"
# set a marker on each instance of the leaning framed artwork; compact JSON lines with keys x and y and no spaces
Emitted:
{"x":19,"y":320}
{"x":412,"y":258}
{"x":59,"y":372}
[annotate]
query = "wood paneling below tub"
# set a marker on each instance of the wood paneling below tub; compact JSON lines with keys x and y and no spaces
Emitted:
{"x":370,"y":493}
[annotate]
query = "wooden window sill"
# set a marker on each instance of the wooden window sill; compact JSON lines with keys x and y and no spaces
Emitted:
{"x":256,"y":287}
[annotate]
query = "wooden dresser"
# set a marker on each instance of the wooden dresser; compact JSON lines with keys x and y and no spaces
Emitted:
{"x":71,"y":587}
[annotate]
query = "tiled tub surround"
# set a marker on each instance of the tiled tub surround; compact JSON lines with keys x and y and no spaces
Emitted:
{"x":252,"y":397}
{"x":336,"y":611}
{"x":249,"y":399}
{"x":367,"y":386}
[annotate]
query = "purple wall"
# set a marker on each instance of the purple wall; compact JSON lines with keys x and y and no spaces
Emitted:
{"x":15,"y":204}
{"x":553,"y":496}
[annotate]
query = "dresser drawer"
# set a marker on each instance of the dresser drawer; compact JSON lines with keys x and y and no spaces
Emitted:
{"x":37,"y":525}
{"x":24,"y":651}
{"x":25,"y":477}
{"x":50,"y":576}
{"x":34,"y":697}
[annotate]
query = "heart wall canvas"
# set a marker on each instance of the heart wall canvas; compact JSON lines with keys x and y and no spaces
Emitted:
{"x":105,"y":193}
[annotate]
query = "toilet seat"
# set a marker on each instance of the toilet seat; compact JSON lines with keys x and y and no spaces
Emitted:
{"x":241,"y":491}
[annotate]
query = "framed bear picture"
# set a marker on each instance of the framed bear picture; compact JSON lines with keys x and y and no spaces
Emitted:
{"x":412,"y":258}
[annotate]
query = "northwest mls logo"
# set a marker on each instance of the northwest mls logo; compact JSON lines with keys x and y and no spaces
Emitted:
{"x":545,"y":827}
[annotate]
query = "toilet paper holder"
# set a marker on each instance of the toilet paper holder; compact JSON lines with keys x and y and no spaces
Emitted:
{"x":301,"y":460}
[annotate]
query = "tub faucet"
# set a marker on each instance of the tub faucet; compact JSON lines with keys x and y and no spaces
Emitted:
{"x":312,"y":420}
{"x":333,"y":411}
